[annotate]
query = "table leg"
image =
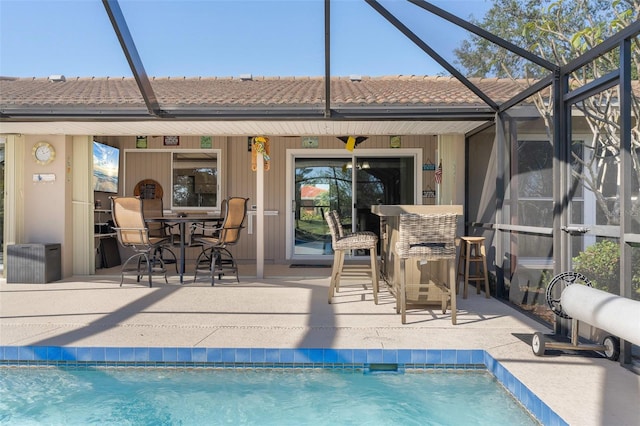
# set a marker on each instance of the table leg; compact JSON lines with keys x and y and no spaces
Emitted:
{"x":453,"y":285}
{"x":182,"y":250}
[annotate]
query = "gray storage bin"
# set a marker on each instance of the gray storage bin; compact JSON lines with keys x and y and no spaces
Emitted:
{"x":34,"y":263}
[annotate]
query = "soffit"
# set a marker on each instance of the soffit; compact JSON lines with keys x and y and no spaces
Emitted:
{"x":239,"y":127}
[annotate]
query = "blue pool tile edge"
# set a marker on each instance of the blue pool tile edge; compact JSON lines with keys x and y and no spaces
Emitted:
{"x":404,"y":359}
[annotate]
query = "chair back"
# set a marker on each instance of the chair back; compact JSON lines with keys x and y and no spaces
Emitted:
{"x":235,"y":216}
{"x":427,"y":236}
{"x":129,"y":221}
{"x":338,"y":221}
{"x":202,"y":229}
{"x":334,"y":225}
{"x":152,"y":207}
{"x":223,"y":207}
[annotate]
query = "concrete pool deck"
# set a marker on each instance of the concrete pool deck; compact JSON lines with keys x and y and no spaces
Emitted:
{"x":289,"y":309}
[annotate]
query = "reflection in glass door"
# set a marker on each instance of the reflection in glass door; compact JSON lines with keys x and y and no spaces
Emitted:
{"x":329,"y":183}
{"x":381,"y":180}
{"x":321,"y":184}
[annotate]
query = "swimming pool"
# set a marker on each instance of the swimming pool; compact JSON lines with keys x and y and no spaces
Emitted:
{"x":356,"y":364}
{"x":257,"y":397}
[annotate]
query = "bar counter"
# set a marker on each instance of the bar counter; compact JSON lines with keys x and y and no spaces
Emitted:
{"x":427,"y":283}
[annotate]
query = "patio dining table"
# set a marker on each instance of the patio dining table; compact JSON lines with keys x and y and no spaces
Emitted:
{"x":182,"y":221}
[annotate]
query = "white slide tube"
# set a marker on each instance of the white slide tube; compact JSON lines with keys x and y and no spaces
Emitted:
{"x":614,"y":314}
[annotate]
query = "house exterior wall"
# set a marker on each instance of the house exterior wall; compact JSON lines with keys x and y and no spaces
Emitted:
{"x":237,"y":178}
{"x":46,"y":203}
{"x":58,"y":212}
{"x":14,"y":192}
{"x":39,"y":198}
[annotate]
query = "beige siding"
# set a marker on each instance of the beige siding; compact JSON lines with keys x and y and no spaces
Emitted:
{"x":452,"y":154}
{"x":83,"y":249}
{"x":148,"y":165}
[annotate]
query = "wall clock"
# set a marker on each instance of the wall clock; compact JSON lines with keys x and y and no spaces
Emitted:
{"x":43,"y":153}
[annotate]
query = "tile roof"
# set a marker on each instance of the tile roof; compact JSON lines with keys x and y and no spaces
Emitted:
{"x":308,"y":192}
{"x":201,"y":92}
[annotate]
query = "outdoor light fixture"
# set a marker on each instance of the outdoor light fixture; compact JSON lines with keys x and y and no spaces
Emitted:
{"x":360,"y":166}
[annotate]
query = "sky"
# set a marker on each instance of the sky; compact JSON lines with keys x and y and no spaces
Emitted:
{"x":225,"y":38}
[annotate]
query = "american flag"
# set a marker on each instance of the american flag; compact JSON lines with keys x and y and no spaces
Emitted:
{"x":438,"y":174}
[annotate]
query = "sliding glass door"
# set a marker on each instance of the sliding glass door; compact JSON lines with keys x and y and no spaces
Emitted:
{"x":321,"y":184}
{"x":350,"y":185}
{"x":381,"y":180}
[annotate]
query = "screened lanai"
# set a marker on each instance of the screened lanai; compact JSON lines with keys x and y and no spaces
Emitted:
{"x":551,"y":157}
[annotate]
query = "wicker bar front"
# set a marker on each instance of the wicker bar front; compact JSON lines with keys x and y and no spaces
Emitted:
{"x":426,"y":237}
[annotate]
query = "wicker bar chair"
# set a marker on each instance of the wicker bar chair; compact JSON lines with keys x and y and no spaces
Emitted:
{"x":427,"y":238}
{"x":344,"y":243}
{"x":342,"y":234}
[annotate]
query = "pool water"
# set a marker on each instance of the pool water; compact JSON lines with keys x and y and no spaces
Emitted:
{"x":256,"y":397}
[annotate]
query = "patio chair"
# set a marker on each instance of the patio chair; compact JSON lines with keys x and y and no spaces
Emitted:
{"x":133,"y":233}
{"x":215,"y":255}
{"x":427,"y":238}
{"x":152,"y":207}
{"x":347,"y":242}
{"x":206,"y":229}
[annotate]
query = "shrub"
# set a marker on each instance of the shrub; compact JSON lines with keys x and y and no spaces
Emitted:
{"x":600,"y":263}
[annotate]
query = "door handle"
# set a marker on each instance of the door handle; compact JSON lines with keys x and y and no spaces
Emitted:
{"x":575,"y":229}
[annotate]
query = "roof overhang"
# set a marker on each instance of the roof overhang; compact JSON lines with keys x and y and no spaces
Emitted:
{"x":230,"y":121}
{"x":240,"y":127}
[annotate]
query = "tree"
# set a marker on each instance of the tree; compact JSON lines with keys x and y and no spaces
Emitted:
{"x":560,"y":31}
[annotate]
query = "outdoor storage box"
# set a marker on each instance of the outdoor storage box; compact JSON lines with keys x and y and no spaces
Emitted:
{"x":34,"y":263}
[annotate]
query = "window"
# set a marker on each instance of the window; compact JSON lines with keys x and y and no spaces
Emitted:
{"x":195,"y":179}
{"x":533,"y":174}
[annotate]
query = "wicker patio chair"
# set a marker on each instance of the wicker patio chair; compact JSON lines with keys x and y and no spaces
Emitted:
{"x":341,"y":232}
{"x":133,"y":233}
{"x":340,"y":245}
{"x":215,"y":255}
{"x":427,"y":238}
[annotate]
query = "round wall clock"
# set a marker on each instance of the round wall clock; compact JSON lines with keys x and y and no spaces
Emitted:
{"x":43,"y":153}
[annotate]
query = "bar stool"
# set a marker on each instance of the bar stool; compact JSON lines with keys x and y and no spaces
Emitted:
{"x":472,"y":251}
{"x":341,"y":242}
{"x":427,"y":237}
